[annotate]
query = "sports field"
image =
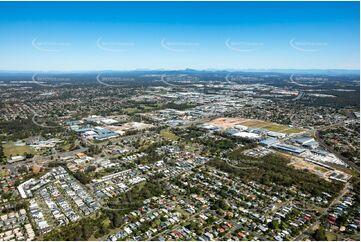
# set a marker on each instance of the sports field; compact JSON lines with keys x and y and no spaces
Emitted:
{"x":11,"y":149}
{"x":166,"y":134}
{"x":254,"y":123}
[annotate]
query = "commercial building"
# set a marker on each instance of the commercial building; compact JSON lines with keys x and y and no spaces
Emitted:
{"x":288,"y":148}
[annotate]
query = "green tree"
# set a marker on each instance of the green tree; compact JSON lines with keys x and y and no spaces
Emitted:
{"x":320,"y":234}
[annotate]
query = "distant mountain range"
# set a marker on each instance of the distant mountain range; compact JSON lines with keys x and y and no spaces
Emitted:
{"x":193,"y":71}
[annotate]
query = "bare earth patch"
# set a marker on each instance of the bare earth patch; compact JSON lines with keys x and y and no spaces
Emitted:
{"x":253,"y":123}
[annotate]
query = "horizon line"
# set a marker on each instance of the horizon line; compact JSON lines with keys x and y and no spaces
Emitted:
{"x":193,"y":69}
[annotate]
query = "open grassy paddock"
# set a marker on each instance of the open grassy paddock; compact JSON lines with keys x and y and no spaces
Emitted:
{"x":11,"y":149}
{"x":254,"y":123}
{"x":166,"y":134}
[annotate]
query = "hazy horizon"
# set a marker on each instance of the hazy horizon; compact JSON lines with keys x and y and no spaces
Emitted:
{"x":81,"y":36}
{"x":280,"y":70}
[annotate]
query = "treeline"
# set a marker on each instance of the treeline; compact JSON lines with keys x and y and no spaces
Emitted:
{"x":2,"y":155}
{"x":93,"y":150}
{"x":216,"y":146}
{"x":14,"y":207}
{"x":23,"y":128}
{"x":212,"y":145}
{"x":237,"y":154}
{"x":135,"y":197}
{"x":82,"y":177}
{"x":81,"y":230}
{"x":178,"y":106}
{"x":340,"y":99}
{"x":189,"y":134}
{"x":274,"y":169}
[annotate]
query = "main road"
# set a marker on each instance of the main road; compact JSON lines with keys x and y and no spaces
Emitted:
{"x":311,"y":227}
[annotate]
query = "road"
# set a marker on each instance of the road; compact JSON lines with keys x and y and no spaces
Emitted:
{"x":311,"y":227}
{"x":239,"y":167}
{"x":39,"y":159}
{"x":300,"y":95}
{"x":177,"y":226}
{"x":330,"y":149}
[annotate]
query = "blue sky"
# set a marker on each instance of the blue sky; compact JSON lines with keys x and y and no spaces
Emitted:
{"x":177,"y":35}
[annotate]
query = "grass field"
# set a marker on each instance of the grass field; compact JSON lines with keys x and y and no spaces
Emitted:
{"x":131,"y":110}
{"x":11,"y":149}
{"x":331,"y":236}
{"x":166,"y":134}
{"x":4,"y":173}
{"x":255,"y":123}
{"x":293,"y":130}
{"x":143,"y":108}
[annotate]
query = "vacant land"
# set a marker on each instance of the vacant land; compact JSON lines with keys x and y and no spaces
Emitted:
{"x":300,"y":164}
{"x":4,"y":173}
{"x":166,"y":134}
{"x":11,"y":150}
{"x":331,"y":236}
{"x":254,"y":123}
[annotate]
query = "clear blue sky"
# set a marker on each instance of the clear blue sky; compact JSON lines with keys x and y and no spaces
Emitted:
{"x":177,"y":35}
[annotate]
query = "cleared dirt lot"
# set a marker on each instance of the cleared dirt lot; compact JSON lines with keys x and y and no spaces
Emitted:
{"x":315,"y":169}
{"x":300,"y":164}
{"x":254,"y":123}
